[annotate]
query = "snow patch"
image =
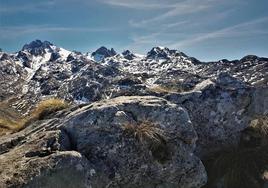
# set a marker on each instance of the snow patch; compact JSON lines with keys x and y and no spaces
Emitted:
{"x":64,"y":53}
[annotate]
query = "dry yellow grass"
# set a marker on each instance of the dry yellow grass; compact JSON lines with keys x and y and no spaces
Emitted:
{"x":47,"y":107}
{"x":150,"y":135}
{"x":145,"y":132}
{"x":13,"y":122}
{"x":7,"y":124}
{"x":8,"y":118}
{"x":260,"y":125}
{"x":164,"y":89}
{"x":44,"y":109}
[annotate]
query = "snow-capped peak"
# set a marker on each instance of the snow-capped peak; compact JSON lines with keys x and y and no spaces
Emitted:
{"x":160,"y":52}
{"x":74,"y":55}
{"x":102,"y":53}
{"x":128,"y":55}
{"x":38,"y":47}
{"x":38,"y":53}
{"x":63,"y":53}
{"x":41,"y":51}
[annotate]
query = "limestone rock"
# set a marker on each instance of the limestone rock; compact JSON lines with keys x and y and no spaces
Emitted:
{"x":89,"y":147}
{"x":220,"y":109}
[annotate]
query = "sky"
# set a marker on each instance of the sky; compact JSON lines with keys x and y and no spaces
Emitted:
{"x":205,"y":29}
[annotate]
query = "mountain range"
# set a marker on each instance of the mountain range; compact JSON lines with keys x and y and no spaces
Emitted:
{"x":41,"y":69}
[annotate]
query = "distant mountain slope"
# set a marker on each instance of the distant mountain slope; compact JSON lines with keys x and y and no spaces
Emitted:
{"x":41,"y":69}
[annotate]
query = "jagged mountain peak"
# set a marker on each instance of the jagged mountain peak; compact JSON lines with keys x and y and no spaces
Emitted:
{"x":105,"y":51}
{"x":75,"y":55}
{"x":37,"y":47}
{"x":102,"y":53}
{"x":37,"y":44}
{"x":160,"y":52}
{"x":38,"y":52}
{"x":42,"y":50}
{"x":126,"y":52}
{"x":128,"y":55}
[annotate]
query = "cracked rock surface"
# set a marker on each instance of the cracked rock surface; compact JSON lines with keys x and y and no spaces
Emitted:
{"x":88,"y":147}
{"x":220,"y":109}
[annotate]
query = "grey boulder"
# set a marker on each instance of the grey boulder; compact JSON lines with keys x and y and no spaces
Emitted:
{"x":88,"y":146}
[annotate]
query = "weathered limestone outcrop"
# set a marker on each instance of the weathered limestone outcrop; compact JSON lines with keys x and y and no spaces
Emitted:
{"x":89,"y":147}
{"x":220,"y":109}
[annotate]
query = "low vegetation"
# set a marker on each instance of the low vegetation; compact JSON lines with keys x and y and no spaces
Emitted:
{"x":7,"y":125}
{"x":151,"y":136}
{"x":171,"y":87}
{"x":245,"y":166}
{"x":8,"y":118}
{"x":46,"y":108}
{"x":162,"y":89}
{"x":11,"y":121}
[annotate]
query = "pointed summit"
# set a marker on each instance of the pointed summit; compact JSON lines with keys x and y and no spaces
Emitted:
{"x":158,"y":53}
{"x":163,"y":53}
{"x":38,"y":47}
{"x":128,"y":55}
{"x":102,"y":53}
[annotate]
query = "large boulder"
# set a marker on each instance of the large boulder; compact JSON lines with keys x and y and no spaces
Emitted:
{"x":220,"y":109}
{"x":104,"y":145}
{"x":34,"y":157}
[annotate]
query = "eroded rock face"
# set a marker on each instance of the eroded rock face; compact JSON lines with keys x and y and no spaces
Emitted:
{"x":220,"y":109}
{"x":90,"y":144}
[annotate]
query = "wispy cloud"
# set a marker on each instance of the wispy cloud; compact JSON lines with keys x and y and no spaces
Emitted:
{"x":245,"y":29}
{"x":169,"y":8}
{"x":140,"y":4}
{"x":196,"y":21}
{"x":172,"y":13}
{"x":27,"y":6}
{"x":181,"y":40}
{"x":147,"y":39}
{"x":15,"y":31}
{"x":175,"y":24}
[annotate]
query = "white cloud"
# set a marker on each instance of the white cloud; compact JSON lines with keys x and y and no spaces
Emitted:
{"x":27,"y":6}
{"x":169,"y":8}
{"x":245,"y":29}
{"x":15,"y":31}
{"x":140,"y":4}
{"x":175,"y":40}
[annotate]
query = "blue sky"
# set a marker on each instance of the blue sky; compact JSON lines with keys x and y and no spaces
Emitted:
{"x":205,"y":29}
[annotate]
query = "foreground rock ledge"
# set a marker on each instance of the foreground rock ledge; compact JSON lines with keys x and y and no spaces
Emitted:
{"x":220,"y":109}
{"x":88,"y":147}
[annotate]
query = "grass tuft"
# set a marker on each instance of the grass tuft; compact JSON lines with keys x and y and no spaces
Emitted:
{"x":145,"y":132}
{"x":6,"y":124}
{"x":43,"y":109}
{"x":153,"y":137}
{"x":48,"y":107}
